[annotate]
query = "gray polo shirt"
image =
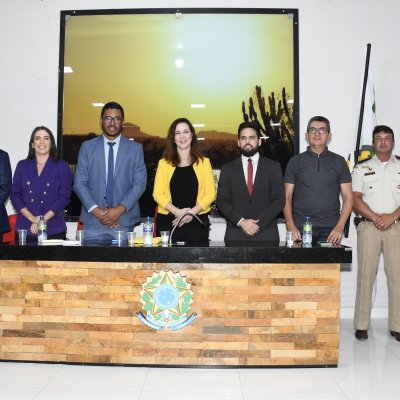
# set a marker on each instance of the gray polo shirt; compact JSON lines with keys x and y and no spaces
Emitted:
{"x":317,"y":180}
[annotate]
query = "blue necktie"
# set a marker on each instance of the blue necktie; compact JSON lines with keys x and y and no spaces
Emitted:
{"x":110,"y":177}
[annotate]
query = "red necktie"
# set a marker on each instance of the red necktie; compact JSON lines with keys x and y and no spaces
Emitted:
{"x":250,"y":176}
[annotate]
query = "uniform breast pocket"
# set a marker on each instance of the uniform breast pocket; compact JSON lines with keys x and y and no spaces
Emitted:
{"x":396,"y":184}
{"x":371,"y":183}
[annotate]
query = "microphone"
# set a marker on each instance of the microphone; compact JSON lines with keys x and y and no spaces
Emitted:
{"x":206,"y":224}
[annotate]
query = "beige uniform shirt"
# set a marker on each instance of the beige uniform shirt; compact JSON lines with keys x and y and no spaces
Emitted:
{"x":379,"y":183}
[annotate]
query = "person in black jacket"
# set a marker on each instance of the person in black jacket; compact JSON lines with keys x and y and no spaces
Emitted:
{"x":250,"y":191}
{"x":5,"y":188}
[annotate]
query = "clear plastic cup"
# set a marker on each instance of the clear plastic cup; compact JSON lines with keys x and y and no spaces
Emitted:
{"x":80,"y":235}
{"x":131,"y":238}
{"x":289,"y":238}
{"x":120,"y":237}
{"x":164,"y":237}
{"x":22,"y":236}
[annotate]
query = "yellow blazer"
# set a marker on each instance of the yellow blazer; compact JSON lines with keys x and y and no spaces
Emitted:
{"x":206,"y":192}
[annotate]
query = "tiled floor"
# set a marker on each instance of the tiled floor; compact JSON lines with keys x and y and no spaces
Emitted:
{"x":367,"y":370}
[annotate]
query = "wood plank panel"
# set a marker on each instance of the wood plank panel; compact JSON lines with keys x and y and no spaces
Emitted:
{"x":247,"y":314}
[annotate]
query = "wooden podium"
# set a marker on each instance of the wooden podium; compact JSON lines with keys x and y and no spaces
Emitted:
{"x":267,"y":305}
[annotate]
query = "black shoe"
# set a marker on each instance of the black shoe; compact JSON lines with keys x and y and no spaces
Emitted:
{"x":396,"y":335}
{"x":362,"y":334}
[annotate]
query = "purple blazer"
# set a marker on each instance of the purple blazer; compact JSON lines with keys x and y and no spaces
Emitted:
{"x":39,"y":194}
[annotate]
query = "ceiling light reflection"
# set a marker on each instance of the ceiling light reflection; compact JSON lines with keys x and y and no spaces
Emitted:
{"x":179,"y":63}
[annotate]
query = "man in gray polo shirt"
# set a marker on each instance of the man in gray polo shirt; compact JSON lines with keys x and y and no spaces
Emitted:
{"x":314,"y":181}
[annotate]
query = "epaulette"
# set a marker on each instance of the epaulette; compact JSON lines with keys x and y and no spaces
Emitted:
{"x":362,"y":162}
{"x":366,"y":159}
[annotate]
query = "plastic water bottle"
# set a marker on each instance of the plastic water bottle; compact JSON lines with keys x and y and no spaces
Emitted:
{"x":148,"y":233}
{"x":42,"y":229}
{"x":307,"y":231}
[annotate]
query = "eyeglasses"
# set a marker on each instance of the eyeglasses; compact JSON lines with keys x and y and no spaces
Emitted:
{"x":314,"y":131}
{"x":116,"y":120}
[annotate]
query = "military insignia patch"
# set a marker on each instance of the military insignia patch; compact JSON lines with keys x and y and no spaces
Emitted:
{"x":166,"y":299}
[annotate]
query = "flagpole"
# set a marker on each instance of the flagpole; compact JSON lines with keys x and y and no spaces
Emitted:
{"x":357,"y":150}
{"x":360,"y":119}
{"x":360,"y":124}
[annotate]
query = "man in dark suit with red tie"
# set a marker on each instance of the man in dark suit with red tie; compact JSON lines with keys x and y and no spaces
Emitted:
{"x":250,"y":191}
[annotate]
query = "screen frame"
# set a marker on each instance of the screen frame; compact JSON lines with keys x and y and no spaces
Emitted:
{"x":66,"y":14}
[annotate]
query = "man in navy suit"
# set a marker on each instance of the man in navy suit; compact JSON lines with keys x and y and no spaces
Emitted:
{"x":5,"y":188}
{"x":250,"y":191}
{"x":110,"y":204}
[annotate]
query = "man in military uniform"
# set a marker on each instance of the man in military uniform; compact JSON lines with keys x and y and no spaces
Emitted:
{"x":376,"y":186}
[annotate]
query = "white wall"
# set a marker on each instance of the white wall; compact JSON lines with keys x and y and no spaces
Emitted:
{"x":332,"y":36}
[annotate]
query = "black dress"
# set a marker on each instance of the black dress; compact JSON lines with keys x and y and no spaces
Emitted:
{"x":184,"y":188}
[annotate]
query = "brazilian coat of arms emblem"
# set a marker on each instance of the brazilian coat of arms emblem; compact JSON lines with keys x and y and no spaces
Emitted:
{"x":166,"y":299}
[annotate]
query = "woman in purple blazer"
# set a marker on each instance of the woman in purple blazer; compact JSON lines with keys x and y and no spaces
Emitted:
{"x":42,"y":185}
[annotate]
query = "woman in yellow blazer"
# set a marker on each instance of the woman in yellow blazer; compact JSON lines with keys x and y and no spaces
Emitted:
{"x":184,"y":182}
